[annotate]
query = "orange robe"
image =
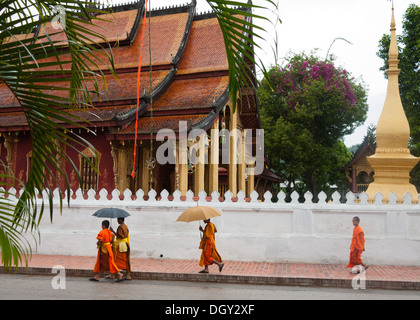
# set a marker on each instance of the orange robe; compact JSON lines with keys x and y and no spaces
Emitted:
{"x":105,"y":258}
{"x":357,"y":247}
{"x":208,"y":244}
{"x":122,"y":248}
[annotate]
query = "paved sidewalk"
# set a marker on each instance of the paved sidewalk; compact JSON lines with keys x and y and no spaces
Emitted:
{"x":264,"y":273}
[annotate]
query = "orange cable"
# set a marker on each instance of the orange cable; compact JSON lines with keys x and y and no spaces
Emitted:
{"x":138,"y":90}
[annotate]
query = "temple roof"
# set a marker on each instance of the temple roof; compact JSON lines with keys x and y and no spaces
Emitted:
{"x":115,"y":27}
{"x":201,"y":57}
{"x":189,"y":73}
{"x":192,"y":94}
{"x":159,"y":122}
{"x":366,"y":148}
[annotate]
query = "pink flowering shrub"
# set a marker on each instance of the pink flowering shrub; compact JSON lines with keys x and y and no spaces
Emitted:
{"x":295,"y":79}
{"x":307,"y":108}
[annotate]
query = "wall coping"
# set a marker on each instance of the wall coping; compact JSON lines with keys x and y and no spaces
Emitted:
{"x":128,"y":199}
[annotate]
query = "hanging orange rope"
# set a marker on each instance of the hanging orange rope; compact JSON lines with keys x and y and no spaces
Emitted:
{"x":138,"y":89}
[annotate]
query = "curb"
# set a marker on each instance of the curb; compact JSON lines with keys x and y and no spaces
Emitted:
{"x":233,"y":279}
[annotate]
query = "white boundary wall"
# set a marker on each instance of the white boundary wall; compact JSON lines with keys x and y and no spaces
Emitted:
{"x":247,"y":231}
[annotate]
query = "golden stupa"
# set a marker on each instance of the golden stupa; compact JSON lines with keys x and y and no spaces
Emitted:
{"x":392,"y":161}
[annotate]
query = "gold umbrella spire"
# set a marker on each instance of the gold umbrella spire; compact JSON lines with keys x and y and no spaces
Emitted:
{"x":392,"y":161}
{"x":393,"y":130}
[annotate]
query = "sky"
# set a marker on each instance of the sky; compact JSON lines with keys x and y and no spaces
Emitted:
{"x":312,"y":24}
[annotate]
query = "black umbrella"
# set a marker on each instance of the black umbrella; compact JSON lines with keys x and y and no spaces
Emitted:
{"x":112,"y":213}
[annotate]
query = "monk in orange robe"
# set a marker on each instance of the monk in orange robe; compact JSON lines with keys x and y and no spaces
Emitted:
{"x":105,"y":258}
{"x":209,"y":255}
{"x":357,"y":246}
{"x":122,"y":247}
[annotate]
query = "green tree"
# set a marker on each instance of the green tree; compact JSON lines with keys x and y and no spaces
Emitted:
{"x":311,"y":107}
{"x":36,"y":70}
{"x":409,"y":79}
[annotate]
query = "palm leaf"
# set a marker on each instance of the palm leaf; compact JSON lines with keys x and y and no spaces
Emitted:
{"x":239,"y":32}
{"x":50,"y":80}
{"x":12,"y":233}
{"x":39,"y":69}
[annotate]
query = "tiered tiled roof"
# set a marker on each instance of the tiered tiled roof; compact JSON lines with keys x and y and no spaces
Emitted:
{"x":189,"y":73}
{"x":115,"y":27}
{"x":205,"y":50}
{"x":366,"y":148}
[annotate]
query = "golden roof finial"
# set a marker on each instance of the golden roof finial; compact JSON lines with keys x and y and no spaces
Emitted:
{"x":393,"y":47}
{"x":393,"y":130}
{"x":393,"y":17}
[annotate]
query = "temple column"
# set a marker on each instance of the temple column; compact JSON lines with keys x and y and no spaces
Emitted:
{"x":199,"y":168}
{"x":182,"y":166}
{"x":242,"y":166}
{"x":123,"y":167}
{"x":250,"y":185}
{"x":353,"y":180}
{"x":214,"y":159}
{"x":145,"y":172}
{"x":119,"y":151}
{"x":233,"y":170}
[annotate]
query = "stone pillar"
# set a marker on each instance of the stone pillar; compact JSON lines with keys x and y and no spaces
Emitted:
{"x":144,"y":171}
{"x":353,"y":180}
{"x":199,"y":168}
{"x":214,"y":159}
{"x":119,"y":152}
{"x":242,"y":166}
{"x":250,"y":185}
{"x":233,"y":167}
{"x":182,"y":164}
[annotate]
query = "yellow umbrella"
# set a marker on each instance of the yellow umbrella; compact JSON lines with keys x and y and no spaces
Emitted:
{"x":199,"y":213}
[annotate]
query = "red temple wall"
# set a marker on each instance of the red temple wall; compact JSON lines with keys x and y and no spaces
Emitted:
{"x":24,"y":146}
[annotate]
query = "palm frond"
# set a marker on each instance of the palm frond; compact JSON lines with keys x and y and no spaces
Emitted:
{"x":51,"y":79}
{"x":241,"y":38}
{"x":14,"y":245}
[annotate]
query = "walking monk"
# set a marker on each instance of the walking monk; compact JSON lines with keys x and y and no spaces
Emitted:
{"x":209,"y":255}
{"x":105,"y":258}
{"x":122,"y":247}
{"x":357,"y":246}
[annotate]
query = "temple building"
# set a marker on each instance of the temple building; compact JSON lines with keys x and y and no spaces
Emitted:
{"x":358,"y":171}
{"x":184,"y":78}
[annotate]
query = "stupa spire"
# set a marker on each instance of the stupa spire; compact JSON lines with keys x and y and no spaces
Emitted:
{"x":393,"y":130}
{"x":392,"y":161}
{"x":393,"y":47}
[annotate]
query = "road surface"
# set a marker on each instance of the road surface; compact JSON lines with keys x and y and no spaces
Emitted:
{"x":22,"y":287}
